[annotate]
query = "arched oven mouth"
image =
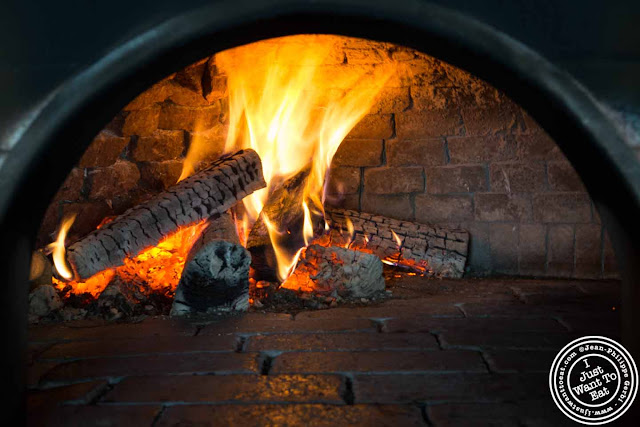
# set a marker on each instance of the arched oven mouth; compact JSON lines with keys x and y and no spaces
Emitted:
{"x":383,"y":211}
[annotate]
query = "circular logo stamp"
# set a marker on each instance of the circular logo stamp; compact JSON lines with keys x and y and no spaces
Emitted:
{"x":593,"y":380}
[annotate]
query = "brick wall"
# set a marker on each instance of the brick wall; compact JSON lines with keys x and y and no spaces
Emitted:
{"x":440,"y":146}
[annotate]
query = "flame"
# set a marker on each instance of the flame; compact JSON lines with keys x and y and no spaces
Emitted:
{"x":288,"y":107}
{"x":157,"y":268}
{"x":58,"y":249}
{"x":350,"y":229}
{"x":397,"y":239}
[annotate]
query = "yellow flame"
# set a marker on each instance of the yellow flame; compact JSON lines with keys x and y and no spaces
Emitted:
{"x":307,"y":228}
{"x":294,"y":112}
{"x":350,"y":230}
{"x":397,"y":239}
{"x":58,"y":249}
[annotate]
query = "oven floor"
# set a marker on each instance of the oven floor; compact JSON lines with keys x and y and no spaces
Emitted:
{"x":439,"y":352}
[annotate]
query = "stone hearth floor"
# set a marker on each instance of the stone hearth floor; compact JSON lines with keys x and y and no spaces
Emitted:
{"x":440,"y":352}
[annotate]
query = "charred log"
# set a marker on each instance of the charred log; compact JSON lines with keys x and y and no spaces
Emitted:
{"x":215,"y":280}
{"x":209,"y":192}
{"x":337,"y":271}
{"x":422,"y":248}
{"x":283,"y":206}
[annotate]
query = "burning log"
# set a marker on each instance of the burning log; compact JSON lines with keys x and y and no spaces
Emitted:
{"x":282,"y":207}
{"x":216,"y":274}
{"x":329,"y":270}
{"x":205,"y":194}
{"x":418,"y":247}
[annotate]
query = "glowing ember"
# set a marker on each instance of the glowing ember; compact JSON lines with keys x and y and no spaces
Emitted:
{"x":157,"y":268}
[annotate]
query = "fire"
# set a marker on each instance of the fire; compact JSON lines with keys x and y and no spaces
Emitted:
{"x":350,"y":229}
{"x":397,"y":239}
{"x":285,"y":105}
{"x":58,"y":249}
{"x":157,"y":268}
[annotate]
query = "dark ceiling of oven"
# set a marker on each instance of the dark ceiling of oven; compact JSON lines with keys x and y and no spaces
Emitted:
{"x":43,"y":43}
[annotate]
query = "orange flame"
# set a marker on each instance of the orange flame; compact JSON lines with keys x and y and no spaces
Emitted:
{"x":287,"y":107}
{"x":58,"y":249}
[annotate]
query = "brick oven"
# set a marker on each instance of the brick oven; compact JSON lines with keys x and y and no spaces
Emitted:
{"x":296,"y":225}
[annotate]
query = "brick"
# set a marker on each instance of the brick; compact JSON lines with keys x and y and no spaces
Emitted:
{"x":259,"y":323}
{"x":373,"y":126}
{"x":343,"y":180}
{"x":79,"y":393}
{"x":479,"y":252}
{"x":113,"y":180}
{"x":442,"y":387}
{"x":505,"y":361}
{"x":104,"y":150}
{"x":156,"y":94}
{"x":300,"y":414}
{"x":516,"y":177}
{"x":562,"y":177}
{"x":504,"y":247}
{"x":391,"y":100}
{"x":427,"y":124}
{"x":499,"y":339}
{"x":394,"y":206}
{"x":562,"y":208}
{"x":138,"y":346}
{"x":359,"y":152}
{"x":228,"y":388}
{"x":588,"y":251}
{"x":532,"y":249}
{"x":609,"y":260}
{"x":141,"y":122}
{"x":378,"y":361}
{"x":104,"y":416}
{"x":456,"y":179}
{"x":502,"y":207}
{"x":86,"y":331}
{"x":207,"y":145}
{"x":560,"y":252}
{"x":153,"y":364}
{"x":424,"y":307}
{"x":558,"y":308}
{"x":176,"y":117}
{"x":419,"y":152}
{"x":161,"y":175}
{"x":88,"y":216}
{"x":489,"y":121}
{"x":537,"y":146}
{"x":344,"y":341}
{"x":344,"y":201}
{"x":473,"y":414}
{"x":443,"y":208}
{"x":473,"y":149}
{"x":71,"y":189}
{"x":366,"y":55}
{"x":394,"y":180}
{"x":160,"y":145}
{"x":479,"y":326}
{"x":606,"y":323}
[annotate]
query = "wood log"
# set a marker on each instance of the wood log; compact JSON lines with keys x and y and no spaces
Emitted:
{"x":207,"y":193}
{"x":335,"y":270}
{"x":216,"y":280}
{"x":427,"y":249}
{"x":283,"y":208}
